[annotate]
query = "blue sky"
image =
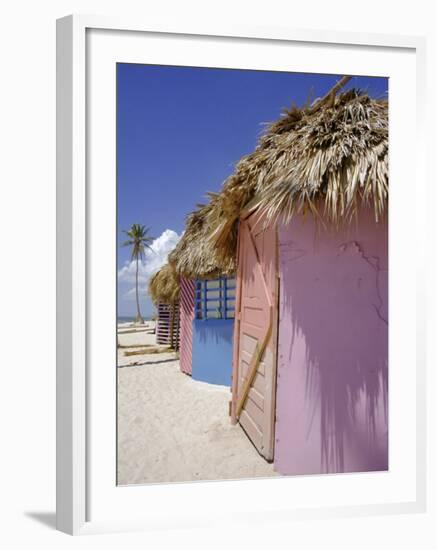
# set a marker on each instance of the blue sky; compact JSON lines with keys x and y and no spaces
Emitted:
{"x":180,"y":131}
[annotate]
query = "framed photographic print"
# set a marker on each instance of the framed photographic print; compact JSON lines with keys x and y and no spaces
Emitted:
{"x":240,"y":328}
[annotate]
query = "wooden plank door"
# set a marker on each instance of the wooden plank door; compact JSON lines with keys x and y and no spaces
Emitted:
{"x":254,"y":368}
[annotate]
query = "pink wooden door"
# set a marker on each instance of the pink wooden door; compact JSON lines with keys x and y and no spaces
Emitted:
{"x":255,"y":336}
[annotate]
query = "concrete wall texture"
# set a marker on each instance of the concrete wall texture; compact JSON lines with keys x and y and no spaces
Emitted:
{"x":331,"y":409}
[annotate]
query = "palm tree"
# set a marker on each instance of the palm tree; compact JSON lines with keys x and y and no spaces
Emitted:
{"x":139,"y":240}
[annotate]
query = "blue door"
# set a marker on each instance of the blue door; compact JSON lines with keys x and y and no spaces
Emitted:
{"x":213,"y":328}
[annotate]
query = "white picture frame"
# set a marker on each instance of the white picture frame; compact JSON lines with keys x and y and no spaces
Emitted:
{"x":74,"y":461}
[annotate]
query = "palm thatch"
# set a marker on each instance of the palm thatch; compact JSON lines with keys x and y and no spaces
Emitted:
{"x":195,"y":255}
{"x":164,"y":286}
{"x":326,"y":160}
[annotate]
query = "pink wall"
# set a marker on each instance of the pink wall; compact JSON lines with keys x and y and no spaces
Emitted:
{"x":186,"y":325}
{"x":331,"y":410}
{"x":164,"y":323}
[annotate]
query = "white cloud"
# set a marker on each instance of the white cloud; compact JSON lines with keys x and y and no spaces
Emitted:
{"x":153,"y":260}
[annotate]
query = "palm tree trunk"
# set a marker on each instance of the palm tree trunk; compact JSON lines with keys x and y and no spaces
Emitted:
{"x":139,"y":319}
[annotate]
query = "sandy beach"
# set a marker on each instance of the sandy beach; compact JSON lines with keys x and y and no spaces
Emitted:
{"x":173,"y":428}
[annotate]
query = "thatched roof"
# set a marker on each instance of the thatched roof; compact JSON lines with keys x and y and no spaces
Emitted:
{"x":326,"y":159}
{"x":195,"y":255}
{"x":164,"y":286}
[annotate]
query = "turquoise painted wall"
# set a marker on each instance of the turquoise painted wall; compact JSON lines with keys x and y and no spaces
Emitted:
{"x":212,"y":350}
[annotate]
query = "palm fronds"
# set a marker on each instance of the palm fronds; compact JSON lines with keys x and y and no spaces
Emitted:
{"x":139,"y":239}
{"x":325,"y":160}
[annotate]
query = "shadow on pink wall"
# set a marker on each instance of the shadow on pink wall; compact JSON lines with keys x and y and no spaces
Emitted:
{"x":333,"y":349}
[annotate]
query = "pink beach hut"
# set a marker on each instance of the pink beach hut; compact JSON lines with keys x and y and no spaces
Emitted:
{"x":310,"y":356}
{"x":167,"y":324}
{"x":164,"y":291}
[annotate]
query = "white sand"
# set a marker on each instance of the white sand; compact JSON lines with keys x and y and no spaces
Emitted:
{"x":173,"y":428}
